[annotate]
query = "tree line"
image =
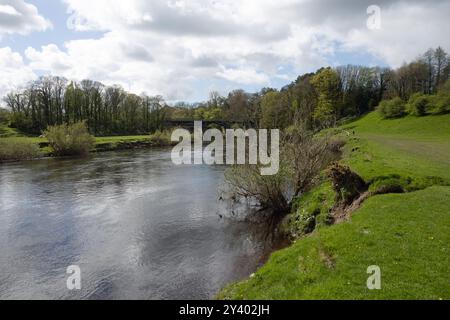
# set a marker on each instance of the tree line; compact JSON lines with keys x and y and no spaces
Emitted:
{"x":316,"y":100}
{"x":107,"y":110}
{"x":323,"y":98}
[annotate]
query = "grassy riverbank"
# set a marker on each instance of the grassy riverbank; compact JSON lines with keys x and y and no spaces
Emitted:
{"x":11,"y":138}
{"x":407,"y":235}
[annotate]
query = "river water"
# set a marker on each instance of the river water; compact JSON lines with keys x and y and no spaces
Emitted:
{"x":138,"y":227}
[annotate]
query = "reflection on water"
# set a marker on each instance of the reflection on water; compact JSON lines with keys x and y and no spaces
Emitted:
{"x":138,"y":226}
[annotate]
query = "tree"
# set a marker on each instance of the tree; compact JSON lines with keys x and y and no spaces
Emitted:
{"x":442,"y":99}
{"x":5,"y":115}
{"x":328,"y":86}
{"x":441,"y":63}
{"x":428,"y":59}
{"x":303,"y":157}
{"x":362,"y":88}
{"x":51,"y":101}
{"x":418,"y":104}
{"x":304,"y":101}
{"x":394,"y":108}
{"x":275,"y":111}
{"x":409,"y":79}
{"x":236,"y":109}
{"x":438,"y":67}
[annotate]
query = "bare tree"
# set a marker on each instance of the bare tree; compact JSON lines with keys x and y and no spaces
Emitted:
{"x":303,"y":157}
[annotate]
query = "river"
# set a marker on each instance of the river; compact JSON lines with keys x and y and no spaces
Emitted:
{"x":138,"y":227}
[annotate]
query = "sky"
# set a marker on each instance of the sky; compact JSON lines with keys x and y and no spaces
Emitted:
{"x":184,"y":49}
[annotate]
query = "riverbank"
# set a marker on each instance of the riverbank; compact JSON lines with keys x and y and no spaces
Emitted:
{"x":406,"y":234}
{"x":102,"y":144}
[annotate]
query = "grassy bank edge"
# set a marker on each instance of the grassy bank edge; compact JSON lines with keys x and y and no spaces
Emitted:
{"x":102,"y":144}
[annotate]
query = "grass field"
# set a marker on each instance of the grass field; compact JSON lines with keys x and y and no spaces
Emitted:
{"x":6,"y":131}
{"x":409,"y":146}
{"x":120,"y":139}
{"x":406,"y":235}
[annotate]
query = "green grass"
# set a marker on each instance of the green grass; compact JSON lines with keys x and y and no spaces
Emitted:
{"x":413,"y":146}
{"x":118,"y":142}
{"x":18,"y":148}
{"x":418,"y":128}
{"x":410,"y":146}
{"x":120,"y":139}
{"x":312,"y":211}
{"x":6,"y":131}
{"x":372,"y":156}
{"x":123,"y":142}
{"x":406,"y":235}
{"x":101,"y":143}
{"x":10,"y":136}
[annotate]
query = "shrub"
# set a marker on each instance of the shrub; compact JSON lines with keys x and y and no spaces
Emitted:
{"x":21,"y":122}
{"x":419,"y":104}
{"x":311,"y":210}
{"x":269,"y":192}
{"x":441,"y":103}
{"x":5,"y":116}
{"x":394,"y":108}
{"x":13,"y":149}
{"x":70,"y":140}
{"x":388,"y":184}
{"x":161,"y":138}
{"x":7,"y":132}
{"x":308,"y":155}
{"x":426,"y":182}
{"x":397,"y":184}
{"x":302,"y":158}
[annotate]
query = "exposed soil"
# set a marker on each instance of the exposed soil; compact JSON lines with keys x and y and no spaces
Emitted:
{"x":344,"y":212}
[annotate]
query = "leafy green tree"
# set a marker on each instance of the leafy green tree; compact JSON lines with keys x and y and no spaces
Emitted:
{"x":237,"y":107}
{"x":328,"y":86}
{"x":275,"y":111}
{"x":442,"y":100}
{"x":418,"y":104}
{"x":53,"y":101}
{"x":304,"y":101}
{"x":5,"y":116}
{"x":394,"y":108}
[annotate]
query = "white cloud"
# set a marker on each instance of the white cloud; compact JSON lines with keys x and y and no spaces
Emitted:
{"x":9,"y":10}
{"x":14,"y":72}
{"x":18,"y":16}
{"x":168,"y":47}
{"x":163,"y":47}
{"x":407,"y":30}
{"x":244,"y":76}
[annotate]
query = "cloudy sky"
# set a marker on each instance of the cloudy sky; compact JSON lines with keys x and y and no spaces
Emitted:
{"x":183,"y":49}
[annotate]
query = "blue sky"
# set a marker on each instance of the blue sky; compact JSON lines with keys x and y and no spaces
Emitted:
{"x":185,"y":49}
{"x":56,"y":12}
